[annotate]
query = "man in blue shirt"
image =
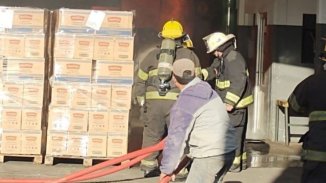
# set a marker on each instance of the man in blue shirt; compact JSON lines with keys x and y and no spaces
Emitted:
{"x":199,"y":128}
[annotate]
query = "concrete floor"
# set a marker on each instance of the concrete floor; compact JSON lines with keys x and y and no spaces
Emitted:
{"x":15,"y":169}
{"x":269,"y":163}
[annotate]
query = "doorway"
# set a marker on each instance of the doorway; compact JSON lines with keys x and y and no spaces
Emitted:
{"x":308,"y":38}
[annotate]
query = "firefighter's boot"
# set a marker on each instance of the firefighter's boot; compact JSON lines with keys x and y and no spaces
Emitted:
{"x":244,"y":164}
{"x":239,"y":163}
{"x":150,"y":168}
{"x":152,"y":173}
{"x":236,"y":166}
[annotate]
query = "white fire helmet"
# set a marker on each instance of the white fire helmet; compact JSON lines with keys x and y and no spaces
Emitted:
{"x":215,"y":40}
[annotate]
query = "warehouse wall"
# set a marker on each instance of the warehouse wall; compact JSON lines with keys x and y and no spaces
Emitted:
{"x":198,"y":17}
{"x":284,"y":22}
{"x":283,"y":48}
{"x":83,"y":4}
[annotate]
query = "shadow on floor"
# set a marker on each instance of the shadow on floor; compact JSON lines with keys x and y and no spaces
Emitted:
{"x":290,"y":175}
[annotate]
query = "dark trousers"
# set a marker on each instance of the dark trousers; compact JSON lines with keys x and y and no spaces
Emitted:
{"x":239,"y":120}
{"x":313,"y":172}
{"x":156,"y":118}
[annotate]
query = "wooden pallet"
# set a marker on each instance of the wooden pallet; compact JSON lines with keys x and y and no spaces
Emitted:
{"x":37,"y":158}
{"x":87,"y":161}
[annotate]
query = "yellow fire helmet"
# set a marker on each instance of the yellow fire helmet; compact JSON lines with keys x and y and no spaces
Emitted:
{"x":172,"y":29}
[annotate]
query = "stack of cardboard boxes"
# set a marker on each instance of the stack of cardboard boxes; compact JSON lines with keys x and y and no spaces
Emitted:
{"x":23,"y":38}
{"x":91,"y":81}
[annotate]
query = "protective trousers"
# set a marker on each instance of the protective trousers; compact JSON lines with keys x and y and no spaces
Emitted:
{"x":239,"y":120}
{"x":313,"y":172}
{"x":156,"y":118}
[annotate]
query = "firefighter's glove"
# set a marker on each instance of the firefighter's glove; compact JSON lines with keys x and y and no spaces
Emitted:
{"x":141,"y":100}
{"x":212,"y":71}
{"x":205,"y":73}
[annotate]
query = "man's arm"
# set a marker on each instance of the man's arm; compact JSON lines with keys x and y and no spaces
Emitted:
{"x":211,"y":72}
{"x":142,"y":75}
{"x":176,"y":140}
{"x":139,"y":87}
{"x":297,"y":100}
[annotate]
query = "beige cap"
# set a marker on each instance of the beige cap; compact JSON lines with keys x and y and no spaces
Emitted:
{"x":183,"y":68}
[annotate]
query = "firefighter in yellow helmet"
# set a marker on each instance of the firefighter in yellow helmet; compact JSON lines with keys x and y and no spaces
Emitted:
{"x":230,"y":72}
{"x":154,"y":90}
{"x":173,"y":30}
{"x":309,"y":99}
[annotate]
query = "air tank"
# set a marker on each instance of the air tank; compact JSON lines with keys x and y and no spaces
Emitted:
{"x":166,"y":59}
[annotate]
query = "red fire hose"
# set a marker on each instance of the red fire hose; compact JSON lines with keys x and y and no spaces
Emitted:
{"x":117,"y":160}
{"x":94,"y":171}
{"x":108,"y":171}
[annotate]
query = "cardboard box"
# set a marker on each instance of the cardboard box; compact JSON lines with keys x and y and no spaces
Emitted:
{"x":2,"y":44}
{"x":35,"y":46}
{"x":118,"y":120}
{"x":117,"y":144}
{"x":118,"y":20}
{"x":75,"y":95}
{"x":81,"y":96}
{"x":56,"y":143}
{"x":33,"y":94}
{"x":78,"y":121}
{"x":101,"y":96}
{"x":98,"y":121}
{"x":11,"y":142}
{"x":72,"y":70}
{"x":31,"y":119}
{"x":28,"y":18}
{"x":71,"y":19}
{"x":22,"y":45}
{"x":84,"y":47}
{"x":110,"y":71}
{"x":31,"y":142}
{"x":13,"y":93}
{"x":75,"y":21}
{"x":78,"y":46}
{"x":14,"y":45}
{"x":61,"y":95}
{"x":25,"y":69}
{"x":11,"y":118}
{"x":59,"y":119}
{"x":97,"y":143}
{"x":2,"y":91}
{"x":124,"y":49}
{"x":103,"y":48}
{"x":77,"y":144}
{"x":121,"y":96}
{"x":64,"y":46}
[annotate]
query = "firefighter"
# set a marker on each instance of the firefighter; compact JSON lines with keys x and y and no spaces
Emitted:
{"x":154,"y":90}
{"x":230,"y":72}
{"x":309,"y":99}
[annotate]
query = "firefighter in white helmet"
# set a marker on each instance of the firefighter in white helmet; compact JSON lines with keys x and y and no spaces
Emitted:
{"x":230,"y":72}
{"x":308,"y":99}
{"x":155,"y":91}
